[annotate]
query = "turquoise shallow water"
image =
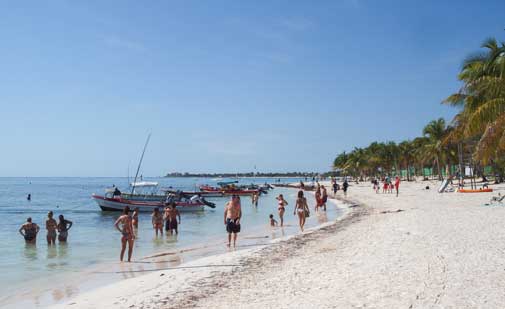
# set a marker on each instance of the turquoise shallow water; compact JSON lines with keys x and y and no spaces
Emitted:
{"x":93,"y":240}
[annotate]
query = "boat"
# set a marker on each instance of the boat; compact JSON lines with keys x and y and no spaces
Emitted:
{"x":229,"y":190}
{"x":118,"y":204}
{"x":193,"y":193}
{"x":475,"y":190}
{"x":145,"y":197}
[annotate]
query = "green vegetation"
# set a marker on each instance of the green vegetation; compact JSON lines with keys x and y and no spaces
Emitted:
{"x":475,"y":137}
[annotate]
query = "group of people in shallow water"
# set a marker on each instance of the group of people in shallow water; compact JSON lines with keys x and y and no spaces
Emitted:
{"x":127,"y":224}
{"x":388,"y":186}
{"x":169,"y":219}
{"x":29,"y":230}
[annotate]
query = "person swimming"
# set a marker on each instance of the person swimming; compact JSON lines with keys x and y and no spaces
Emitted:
{"x":63,"y":227}
{"x":29,"y":231}
{"x":51,"y":227}
{"x":29,"y":197}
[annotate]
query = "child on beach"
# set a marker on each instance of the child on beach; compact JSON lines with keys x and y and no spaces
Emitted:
{"x":273,"y":222}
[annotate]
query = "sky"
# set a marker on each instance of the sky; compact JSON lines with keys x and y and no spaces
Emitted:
{"x":224,"y":86}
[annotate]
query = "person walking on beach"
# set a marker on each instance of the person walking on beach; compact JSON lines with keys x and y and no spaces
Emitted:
{"x":397,"y":185}
{"x":302,"y":209}
{"x":135,"y":218}
{"x":51,"y":227}
{"x":29,"y":231}
{"x":157,"y":221}
{"x":127,"y":231}
{"x":232,"y":216}
{"x":345,"y":185}
{"x":281,"y":207}
{"x":63,"y":227}
{"x":324,"y":197}
{"x":172,"y":214}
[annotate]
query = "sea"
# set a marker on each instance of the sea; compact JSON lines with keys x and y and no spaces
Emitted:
{"x":40,"y":275}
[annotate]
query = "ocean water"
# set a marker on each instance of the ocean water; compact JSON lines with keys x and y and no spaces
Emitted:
{"x":41,"y":274}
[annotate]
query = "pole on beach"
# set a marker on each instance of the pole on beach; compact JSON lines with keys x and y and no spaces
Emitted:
{"x":140,"y":162}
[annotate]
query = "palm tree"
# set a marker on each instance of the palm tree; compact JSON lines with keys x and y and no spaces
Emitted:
{"x":435,"y":131}
{"x":482,"y":99}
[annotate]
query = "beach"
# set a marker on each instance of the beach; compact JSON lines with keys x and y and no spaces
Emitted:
{"x":420,"y":250}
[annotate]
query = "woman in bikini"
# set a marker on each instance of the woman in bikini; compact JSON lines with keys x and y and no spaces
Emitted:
{"x":301,"y":208}
{"x":63,"y":227}
{"x":282,"y":207}
{"x":157,"y":220}
{"x":51,"y":227}
{"x":127,"y":231}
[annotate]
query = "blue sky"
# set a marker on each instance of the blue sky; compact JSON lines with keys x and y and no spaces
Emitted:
{"x":224,"y":85}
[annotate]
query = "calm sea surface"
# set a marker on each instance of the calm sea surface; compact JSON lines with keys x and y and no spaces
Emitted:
{"x":93,"y":240}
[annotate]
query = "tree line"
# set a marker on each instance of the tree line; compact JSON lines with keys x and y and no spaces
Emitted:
{"x":474,"y":139}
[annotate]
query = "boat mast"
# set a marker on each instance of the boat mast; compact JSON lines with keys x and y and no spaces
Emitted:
{"x":140,"y":162}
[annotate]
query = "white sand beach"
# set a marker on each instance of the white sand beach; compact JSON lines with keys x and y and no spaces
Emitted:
{"x":419,"y":250}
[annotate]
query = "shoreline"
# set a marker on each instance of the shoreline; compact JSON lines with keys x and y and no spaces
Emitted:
{"x":146,"y":290}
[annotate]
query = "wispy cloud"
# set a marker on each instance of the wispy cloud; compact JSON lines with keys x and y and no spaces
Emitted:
{"x":115,"y":41}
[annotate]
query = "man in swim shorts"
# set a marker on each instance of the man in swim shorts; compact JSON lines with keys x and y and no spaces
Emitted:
{"x":172,"y":214}
{"x":29,"y":231}
{"x":51,"y":227}
{"x":232,"y":215}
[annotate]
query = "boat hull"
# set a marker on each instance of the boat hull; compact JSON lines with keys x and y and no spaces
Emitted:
{"x":474,"y":190}
{"x":118,"y":204}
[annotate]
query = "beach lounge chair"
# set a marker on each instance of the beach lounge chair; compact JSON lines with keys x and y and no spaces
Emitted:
{"x":498,"y":198}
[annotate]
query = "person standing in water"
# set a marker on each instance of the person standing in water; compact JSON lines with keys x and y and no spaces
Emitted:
{"x":302,"y":209}
{"x":135,"y":218}
{"x":29,"y":197}
{"x":397,"y":185}
{"x":63,"y":227}
{"x":172,"y":214}
{"x":335,"y":189}
{"x":51,"y":227}
{"x":232,"y":216}
{"x":324,"y":197}
{"x":255,"y":197}
{"x":29,"y":231}
{"x":281,"y":207}
{"x":127,"y":231}
{"x":318,"y":198}
{"x":157,"y":221}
